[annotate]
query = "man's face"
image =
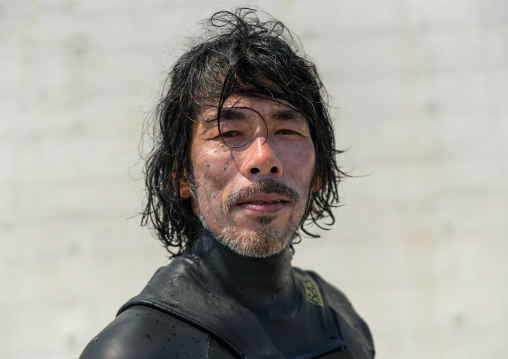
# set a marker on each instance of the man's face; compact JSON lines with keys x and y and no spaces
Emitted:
{"x":252,"y":185}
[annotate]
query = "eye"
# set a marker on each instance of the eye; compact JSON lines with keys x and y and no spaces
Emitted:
{"x":230,"y":134}
{"x":286,"y":132}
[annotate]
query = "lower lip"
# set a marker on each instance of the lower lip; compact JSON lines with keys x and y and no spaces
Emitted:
{"x":262,"y":208}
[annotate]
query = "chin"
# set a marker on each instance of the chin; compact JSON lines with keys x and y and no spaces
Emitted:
{"x":261,"y":239}
{"x":261,"y":242}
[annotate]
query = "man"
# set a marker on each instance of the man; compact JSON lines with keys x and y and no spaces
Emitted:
{"x":244,"y":155}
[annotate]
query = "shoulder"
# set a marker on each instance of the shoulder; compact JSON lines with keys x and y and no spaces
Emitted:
{"x":144,"y":332}
{"x":353,"y":328}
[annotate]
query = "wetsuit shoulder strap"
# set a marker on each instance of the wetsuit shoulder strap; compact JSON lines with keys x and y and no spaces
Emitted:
{"x":352,"y":327}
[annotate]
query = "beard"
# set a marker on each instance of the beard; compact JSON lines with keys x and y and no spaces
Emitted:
{"x":263,"y":240}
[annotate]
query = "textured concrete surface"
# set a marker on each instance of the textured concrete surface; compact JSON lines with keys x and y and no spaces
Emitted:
{"x":420,"y":94}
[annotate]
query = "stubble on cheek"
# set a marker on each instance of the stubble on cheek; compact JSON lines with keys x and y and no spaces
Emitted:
{"x":206,"y":200}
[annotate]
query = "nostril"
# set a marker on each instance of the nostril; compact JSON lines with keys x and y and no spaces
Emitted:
{"x":254,"y":170}
{"x":273,"y":170}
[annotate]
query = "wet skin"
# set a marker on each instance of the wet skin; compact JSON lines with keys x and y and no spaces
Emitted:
{"x":251,"y":197}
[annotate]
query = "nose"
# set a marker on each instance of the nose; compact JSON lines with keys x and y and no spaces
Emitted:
{"x":261,"y":160}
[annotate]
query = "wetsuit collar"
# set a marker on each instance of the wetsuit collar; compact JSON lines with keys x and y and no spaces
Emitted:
{"x":265,"y":286}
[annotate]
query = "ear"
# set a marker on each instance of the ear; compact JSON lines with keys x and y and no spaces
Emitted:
{"x":318,"y":183}
{"x":185,"y":191}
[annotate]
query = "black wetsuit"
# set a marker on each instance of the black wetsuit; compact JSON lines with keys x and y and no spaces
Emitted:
{"x":213,"y":303}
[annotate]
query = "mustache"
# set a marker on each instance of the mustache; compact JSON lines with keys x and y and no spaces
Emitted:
{"x":264,"y":186}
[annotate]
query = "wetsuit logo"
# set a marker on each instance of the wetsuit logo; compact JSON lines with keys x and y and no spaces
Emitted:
{"x":312,"y":292}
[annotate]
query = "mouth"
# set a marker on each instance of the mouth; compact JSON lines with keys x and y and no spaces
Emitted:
{"x":264,"y":204}
{"x":266,"y":197}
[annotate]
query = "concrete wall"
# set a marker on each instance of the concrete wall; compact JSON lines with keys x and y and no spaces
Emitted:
{"x":420,"y":90}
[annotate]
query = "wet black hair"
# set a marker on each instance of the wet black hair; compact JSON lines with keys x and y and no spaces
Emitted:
{"x":241,"y":52}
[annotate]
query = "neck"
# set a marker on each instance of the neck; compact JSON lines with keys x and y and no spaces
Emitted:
{"x":264,"y":285}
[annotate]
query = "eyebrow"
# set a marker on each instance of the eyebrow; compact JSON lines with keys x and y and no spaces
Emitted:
{"x":287,"y":114}
{"x":238,"y":114}
{"x":231,"y":114}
